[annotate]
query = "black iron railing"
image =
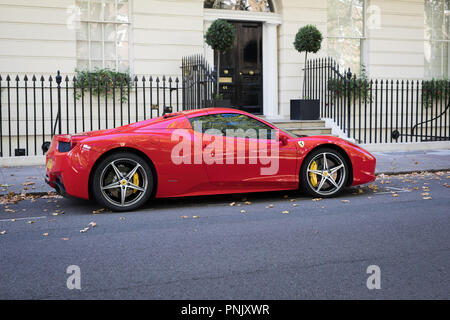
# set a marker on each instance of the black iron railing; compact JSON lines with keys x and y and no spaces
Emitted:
{"x":34,"y":109}
{"x":198,"y":83}
{"x":379,"y":110}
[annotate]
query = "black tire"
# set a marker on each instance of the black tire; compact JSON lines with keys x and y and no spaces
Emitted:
{"x":334,"y":159}
{"x":109,"y":189}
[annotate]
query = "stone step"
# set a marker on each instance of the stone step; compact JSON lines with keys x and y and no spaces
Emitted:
{"x":310,"y":131}
{"x":299,"y":123}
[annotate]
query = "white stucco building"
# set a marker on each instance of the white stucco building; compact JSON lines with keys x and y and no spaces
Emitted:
{"x":406,"y":39}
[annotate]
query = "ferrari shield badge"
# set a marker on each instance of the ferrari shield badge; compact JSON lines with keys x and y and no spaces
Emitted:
{"x":301,"y":144}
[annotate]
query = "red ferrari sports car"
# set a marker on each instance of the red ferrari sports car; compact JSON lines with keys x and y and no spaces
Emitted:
{"x":200,"y":152}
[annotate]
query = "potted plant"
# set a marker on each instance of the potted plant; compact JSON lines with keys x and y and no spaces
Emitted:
{"x":220,"y":37}
{"x":307,"y":39}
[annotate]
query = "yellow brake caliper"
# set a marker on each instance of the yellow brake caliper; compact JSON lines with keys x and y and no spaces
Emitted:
{"x":313,"y":176}
{"x":135,"y":181}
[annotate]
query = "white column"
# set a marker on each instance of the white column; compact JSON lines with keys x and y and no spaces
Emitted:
{"x":270,"y":70}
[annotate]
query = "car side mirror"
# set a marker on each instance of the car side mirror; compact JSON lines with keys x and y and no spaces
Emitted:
{"x":284,"y":140}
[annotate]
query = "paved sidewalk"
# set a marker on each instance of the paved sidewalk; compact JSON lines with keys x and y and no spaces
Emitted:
{"x":411,"y":161}
{"x":17,"y":178}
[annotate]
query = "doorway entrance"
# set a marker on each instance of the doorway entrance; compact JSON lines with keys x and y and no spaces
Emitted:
{"x":241,"y":71}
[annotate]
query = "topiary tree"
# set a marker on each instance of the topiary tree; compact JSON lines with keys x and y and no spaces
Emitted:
{"x":308,"y":39}
{"x":220,"y":37}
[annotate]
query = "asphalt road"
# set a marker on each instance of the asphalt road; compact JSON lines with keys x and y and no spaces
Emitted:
{"x":203,"y":248}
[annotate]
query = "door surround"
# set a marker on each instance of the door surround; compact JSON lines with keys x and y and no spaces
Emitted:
{"x":270,"y":22}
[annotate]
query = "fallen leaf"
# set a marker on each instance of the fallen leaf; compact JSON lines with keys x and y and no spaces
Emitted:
{"x":84,"y":230}
{"x":30,"y":222}
{"x":285,"y":212}
{"x":92,"y":224}
{"x":232,"y":204}
{"x":243,"y":211}
{"x":45,"y":234}
{"x":3,"y":232}
{"x":65,"y":239}
{"x":395,"y":195}
{"x":98,"y":211}
{"x":184,"y":217}
{"x":247,"y":202}
{"x":122,"y":218}
{"x":345,"y":201}
{"x":293,"y":200}
{"x":317,"y":199}
{"x":195,"y":217}
{"x":427,"y":198}
{"x":295,"y":205}
{"x":285,"y":196}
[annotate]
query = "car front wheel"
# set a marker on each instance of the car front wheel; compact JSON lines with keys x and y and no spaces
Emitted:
{"x":324,"y":173}
{"x":122,"y":182}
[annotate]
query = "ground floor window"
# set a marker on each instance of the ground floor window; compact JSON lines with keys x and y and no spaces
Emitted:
{"x":346,"y":32}
{"x":103,"y":35}
{"x":437,"y":15}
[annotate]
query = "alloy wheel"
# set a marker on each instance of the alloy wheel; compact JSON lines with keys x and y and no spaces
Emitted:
{"x":326,"y":173}
{"x":123,"y":182}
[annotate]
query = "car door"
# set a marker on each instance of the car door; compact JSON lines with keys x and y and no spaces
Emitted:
{"x":248,"y":155}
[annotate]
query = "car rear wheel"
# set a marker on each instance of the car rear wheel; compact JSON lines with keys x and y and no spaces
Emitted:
{"x":122,"y":182}
{"x":324,"y":173}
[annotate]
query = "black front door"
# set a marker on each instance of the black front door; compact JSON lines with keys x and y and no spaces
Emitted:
{"x":241,"y":68}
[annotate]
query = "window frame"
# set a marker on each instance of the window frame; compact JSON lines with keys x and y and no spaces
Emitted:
{"x":88,"y":21}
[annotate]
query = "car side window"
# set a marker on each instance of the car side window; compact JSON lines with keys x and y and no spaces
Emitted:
{"x":203,"y":123}
{"x":239,"y":125}
{"x":247,"y":127}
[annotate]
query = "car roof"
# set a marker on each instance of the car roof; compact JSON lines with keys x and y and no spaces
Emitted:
{"x":192,"y":113}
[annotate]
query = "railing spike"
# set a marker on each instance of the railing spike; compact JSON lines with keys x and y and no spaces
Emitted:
{"x":17,"y":78}
{"x":143,"y":78}
{"x":25,"y":78}
{"x":42,"y":78}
